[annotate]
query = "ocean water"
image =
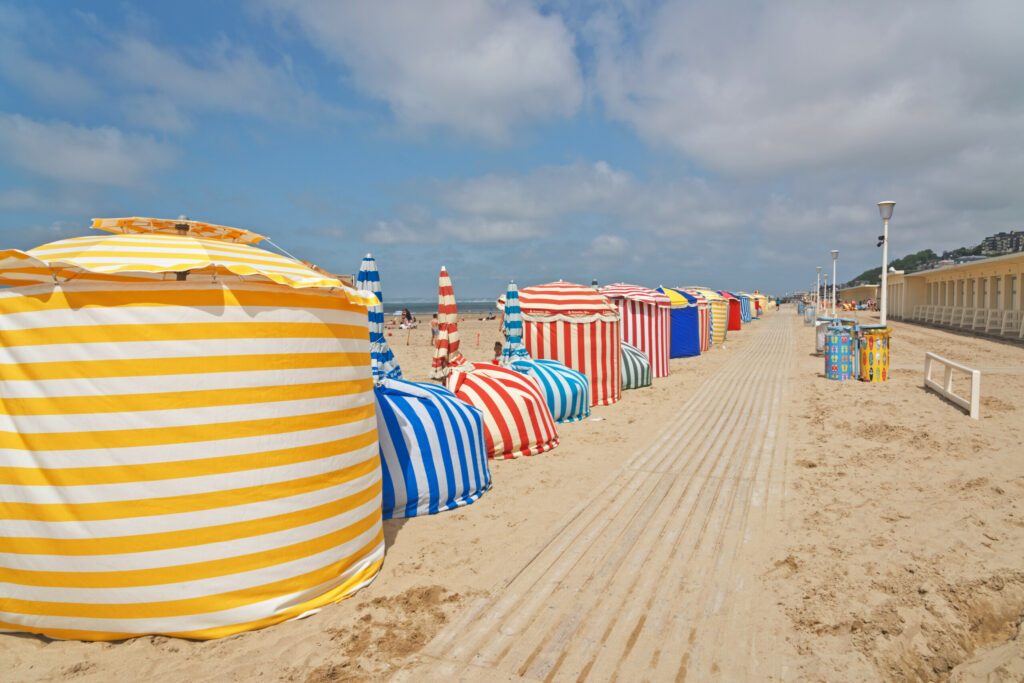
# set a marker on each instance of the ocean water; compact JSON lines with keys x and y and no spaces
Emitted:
{"x":421,"y":308}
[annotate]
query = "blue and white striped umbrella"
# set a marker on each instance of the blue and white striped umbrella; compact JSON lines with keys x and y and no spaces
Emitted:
{"x":382,"y":360}
{"x":566,"y":391}
{"x":513,"y":321}
{"x":432,"y":449}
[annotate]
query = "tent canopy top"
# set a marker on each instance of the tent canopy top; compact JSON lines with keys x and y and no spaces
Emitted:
{"x":563,"y":299}
{"x":644,"y":295}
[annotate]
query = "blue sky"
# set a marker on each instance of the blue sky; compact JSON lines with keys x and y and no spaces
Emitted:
{"x":730,"y":144}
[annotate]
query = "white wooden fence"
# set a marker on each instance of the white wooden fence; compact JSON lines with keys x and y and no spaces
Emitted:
{"x":945,"y":387}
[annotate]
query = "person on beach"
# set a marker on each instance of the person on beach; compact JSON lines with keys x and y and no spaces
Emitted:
{"x":497,"y":353}
{"x":434,"y":329}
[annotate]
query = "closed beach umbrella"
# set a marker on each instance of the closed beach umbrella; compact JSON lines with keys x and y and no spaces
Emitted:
{"x":431,"y":443}
{"x":381,"y":356}
{"x":195,"y":457}
{"x":566,"y":391}
{"x":636,"y":368}
{"x":446,"y":347}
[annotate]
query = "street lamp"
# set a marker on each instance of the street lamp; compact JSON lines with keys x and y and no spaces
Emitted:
{"x":825,"y":278}
{"x":817,"y":294}
{"x":835,"y":257}
{"x":885,"y":209}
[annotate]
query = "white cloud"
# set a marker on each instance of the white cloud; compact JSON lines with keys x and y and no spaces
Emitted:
{"x":19,"y":32}
{"x":761,"y":88}
{"x":476,"y":66}
{"x":78,"y":154}
{"x":607,"y":246}
{"x":225,"y":77}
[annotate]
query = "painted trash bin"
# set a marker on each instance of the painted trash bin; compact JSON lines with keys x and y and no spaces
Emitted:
{"x":840,"y":359}
{"x":875,"y":345}
{"x":810,"y":313}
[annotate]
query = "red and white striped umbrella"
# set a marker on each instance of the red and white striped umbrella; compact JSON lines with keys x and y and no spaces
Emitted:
{"x":446,"y":349}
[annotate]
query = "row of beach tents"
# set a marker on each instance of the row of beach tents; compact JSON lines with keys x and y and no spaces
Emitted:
{"x":200,"y":437}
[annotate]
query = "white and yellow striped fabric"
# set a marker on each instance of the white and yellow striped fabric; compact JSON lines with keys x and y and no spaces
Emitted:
{"x":153,"y":256}
{"x":194,"y":458}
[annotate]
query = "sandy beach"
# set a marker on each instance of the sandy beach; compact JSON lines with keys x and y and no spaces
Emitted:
{"x":877,"y":535}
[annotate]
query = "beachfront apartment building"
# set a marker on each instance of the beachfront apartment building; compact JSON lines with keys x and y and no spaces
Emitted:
{"x":981,"y":296}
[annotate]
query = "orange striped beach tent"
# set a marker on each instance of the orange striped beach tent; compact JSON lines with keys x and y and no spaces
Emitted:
{"x":188,"y":443}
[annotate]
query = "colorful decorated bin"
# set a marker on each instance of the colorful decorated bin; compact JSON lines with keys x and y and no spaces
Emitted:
{"x":874,"y":354}
{"x":840,"y":361}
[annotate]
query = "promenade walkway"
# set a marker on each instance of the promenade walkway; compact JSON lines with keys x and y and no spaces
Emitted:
{"x":655,"y":577}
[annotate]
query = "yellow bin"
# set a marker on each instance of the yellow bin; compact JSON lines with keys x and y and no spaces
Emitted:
{"x":874,"y":354}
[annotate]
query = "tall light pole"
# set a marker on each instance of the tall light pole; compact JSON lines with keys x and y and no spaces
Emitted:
{"x":835,"y":257}
{"x":825,"y":278}
{"x":885,"y":209}
{"x":817,"y":294}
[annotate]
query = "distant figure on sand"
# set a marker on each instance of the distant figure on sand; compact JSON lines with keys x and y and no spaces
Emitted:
{"x":497,"y":352}
{"x":408,"y":321}
{"x":434,"y":329}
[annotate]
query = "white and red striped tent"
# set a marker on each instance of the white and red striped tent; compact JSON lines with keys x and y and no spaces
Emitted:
{"x":517,"y":420}
{"x":578,"y":326}
{"x":645,"y":321}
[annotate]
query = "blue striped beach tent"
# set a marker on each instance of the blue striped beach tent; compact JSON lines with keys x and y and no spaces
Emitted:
{"x":566,"y":391}
{"x":636,"y":368}
{"x":432,"y":449}
{"x":684,"y":339}
{"x":431,"y":443}
{"x":745,"y":314}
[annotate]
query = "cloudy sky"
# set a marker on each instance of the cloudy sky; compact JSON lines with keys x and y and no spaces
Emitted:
{"x":729,"y":144}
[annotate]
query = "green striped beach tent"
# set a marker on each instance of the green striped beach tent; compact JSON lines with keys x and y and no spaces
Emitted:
{"x":636,"y":368}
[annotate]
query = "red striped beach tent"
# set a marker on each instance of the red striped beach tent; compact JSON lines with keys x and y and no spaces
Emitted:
{"x":517,"y":421}
{"x":645,"y":322}
{"x":566,"y":391}
{"x":719,"y":312}
{"x":685,"y":324}
{"x":431,"y":443}
{"x":188,"y":443}
{"x":735,"y":311}
{"x":578,"y":326}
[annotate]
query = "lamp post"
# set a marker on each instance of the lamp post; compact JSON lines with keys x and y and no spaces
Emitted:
{"x":825,"y":279}
{"x":835,"y":257}
{"x":885,"y":209}
{"x":817,"y":294}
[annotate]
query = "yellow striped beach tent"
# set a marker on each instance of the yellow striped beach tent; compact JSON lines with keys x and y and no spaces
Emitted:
{"x":188,"y":444}
{"x":719,"y":312}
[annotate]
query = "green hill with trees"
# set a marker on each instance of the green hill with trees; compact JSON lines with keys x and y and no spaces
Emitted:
{"x":909,"y":263}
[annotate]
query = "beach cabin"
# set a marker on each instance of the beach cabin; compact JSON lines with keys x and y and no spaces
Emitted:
{"x":189,"y":432}
{"x":685,"y":324}
{"x":578,"y":326}
{"x":719,"y":308}
{"x":745,"y":315}
{"x":645,"y":322}
{"x":566,"y":391}
{"x":735,"y":311}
